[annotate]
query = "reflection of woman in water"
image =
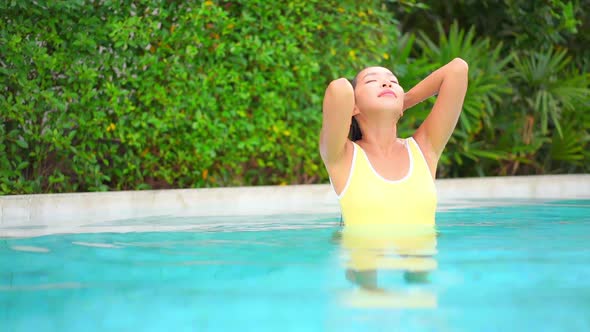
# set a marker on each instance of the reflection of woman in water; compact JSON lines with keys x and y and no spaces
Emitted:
{"x":385,"y":183}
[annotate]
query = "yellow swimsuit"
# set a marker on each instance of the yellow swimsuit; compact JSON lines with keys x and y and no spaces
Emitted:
{"x":383,"y":217}
{"x":370,"y":199}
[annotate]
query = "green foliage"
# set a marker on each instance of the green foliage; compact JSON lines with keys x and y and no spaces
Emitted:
{"x":537,"y":103}
{"x":118,"y":95}
{"x":521,"y":23}
{"x":151,"y":94}
{"x":543,"y":89}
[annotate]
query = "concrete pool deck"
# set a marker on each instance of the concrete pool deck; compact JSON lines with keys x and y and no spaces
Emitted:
{"x":56,"y":211}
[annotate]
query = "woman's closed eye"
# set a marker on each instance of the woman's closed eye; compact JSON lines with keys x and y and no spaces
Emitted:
{"x":371,"y":81}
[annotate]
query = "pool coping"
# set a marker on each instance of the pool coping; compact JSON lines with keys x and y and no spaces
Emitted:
{"x":71,"y":209}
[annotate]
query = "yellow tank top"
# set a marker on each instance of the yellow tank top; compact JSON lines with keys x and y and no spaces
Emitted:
{"x":370,"y":199}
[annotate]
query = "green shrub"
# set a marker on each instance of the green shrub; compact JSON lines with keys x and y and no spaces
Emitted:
{"x":151,"y":94}
{"x":117,"y":95}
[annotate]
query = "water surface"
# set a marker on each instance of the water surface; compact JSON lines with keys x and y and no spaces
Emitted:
{"x":518,"y":266}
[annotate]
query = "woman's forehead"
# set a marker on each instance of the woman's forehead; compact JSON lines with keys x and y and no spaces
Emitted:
{"x":369,"y":71}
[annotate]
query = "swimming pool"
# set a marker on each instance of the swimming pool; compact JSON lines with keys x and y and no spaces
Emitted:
{"x":509,"y":266}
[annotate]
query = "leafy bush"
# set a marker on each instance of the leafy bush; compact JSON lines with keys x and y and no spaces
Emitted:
{"x":116,"y":95}
{"x":152,"y":94}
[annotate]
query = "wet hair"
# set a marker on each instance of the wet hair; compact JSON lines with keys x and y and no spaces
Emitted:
{"x":354,"y":133}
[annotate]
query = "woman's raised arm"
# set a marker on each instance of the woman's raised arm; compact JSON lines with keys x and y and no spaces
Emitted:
{"x":450,"y":83}
{"x":338,"y":107}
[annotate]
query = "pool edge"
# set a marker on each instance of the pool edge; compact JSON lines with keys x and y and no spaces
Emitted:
{"x":75,"y":208}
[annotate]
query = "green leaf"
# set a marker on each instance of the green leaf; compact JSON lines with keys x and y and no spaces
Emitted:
{"x":22,"y":143}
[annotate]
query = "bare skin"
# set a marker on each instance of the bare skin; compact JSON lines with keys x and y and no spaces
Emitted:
{"x":378,"y":102}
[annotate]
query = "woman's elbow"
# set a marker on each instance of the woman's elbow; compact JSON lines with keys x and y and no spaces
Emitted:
{"x":460,"y":65}
{"x":340,"y":84}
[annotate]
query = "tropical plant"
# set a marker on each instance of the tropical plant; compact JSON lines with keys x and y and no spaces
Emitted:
{"x":474,"y":137}
{"x":547,"y":88}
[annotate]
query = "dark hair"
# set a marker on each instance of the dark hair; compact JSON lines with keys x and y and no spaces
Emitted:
{"x":354,"y":133}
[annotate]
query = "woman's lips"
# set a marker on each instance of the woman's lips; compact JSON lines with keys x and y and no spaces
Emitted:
{"x":387,"y":93}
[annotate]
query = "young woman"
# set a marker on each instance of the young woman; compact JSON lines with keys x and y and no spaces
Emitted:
{"x":381,"y":179}
{"x":385,"y":184}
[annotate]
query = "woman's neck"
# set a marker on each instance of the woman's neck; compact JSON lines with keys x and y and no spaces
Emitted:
{"x":380,"y":135}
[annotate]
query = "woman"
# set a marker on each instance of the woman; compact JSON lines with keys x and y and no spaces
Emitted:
{"x":385,"y":184}
{"x":378,"y":177}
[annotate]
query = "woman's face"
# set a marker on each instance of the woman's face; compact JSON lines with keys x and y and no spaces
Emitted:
{"x":378,"y":90}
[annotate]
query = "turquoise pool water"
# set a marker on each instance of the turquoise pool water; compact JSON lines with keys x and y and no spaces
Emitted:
{"x":519,"y":266}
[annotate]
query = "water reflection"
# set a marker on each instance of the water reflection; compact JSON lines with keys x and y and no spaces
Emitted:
{"x":390,"y":266}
